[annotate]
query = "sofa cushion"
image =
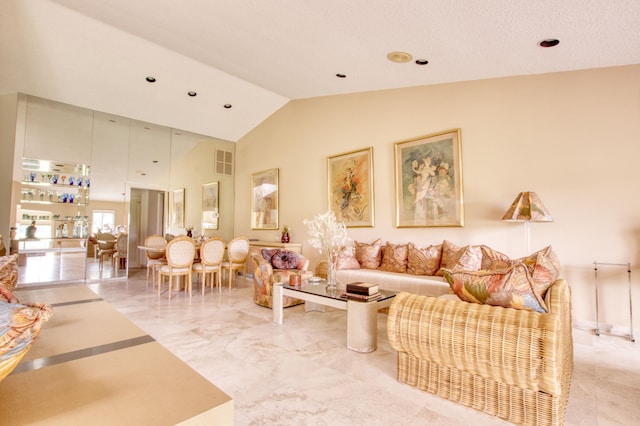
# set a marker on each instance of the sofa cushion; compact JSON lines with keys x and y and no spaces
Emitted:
{"x":453,"y":257}
{"x":9,"y":271}
{"x":369,"y":255}
{"x":394,"y":258}
{"x":510,"y":288}
{"x":347,"y":260}
{"x":423,"y":261}
{"x":544,"y":267}
{"x":267,"y":254}
{"x":284,"y":259}
{"x":493,"y":260}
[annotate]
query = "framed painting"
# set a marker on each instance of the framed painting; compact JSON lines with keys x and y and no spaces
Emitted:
{"x":264,"y":200}
{"x":350,"y":183}
{"x":428,"y":175}
{"x":177,"y":208}
{"x":210,"y":206}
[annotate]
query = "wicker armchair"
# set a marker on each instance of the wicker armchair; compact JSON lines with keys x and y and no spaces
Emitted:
{"x":509,"y":363}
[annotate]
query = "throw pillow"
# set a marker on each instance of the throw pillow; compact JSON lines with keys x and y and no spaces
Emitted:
{"x":509,"y":288}
{"x":284,"y":259}
{"x":454,"y":257}
{"x":267,"y":254}
{"x":544,"y":267}
{"x":9,"y":271}
{"x":394,"y":258}
{"x":493,"y":260}
{"x":423,"y":261}
{"x":346,"y":260}
{"x":368,"y":255}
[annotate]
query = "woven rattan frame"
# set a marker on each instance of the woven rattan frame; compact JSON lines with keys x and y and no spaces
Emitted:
{"x":514,"y":364}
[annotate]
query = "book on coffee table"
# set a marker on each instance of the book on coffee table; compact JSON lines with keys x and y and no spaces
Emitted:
{"x":361,"y":297}
{"x":366,"y":289}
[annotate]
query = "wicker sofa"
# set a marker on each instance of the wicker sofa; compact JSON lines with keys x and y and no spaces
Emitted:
{"x":510,"y":363}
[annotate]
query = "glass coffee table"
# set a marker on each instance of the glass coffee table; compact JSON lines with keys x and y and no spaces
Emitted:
{"x":362,"y":317}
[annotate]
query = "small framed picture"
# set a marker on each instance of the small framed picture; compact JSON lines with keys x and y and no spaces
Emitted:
{"x":177,"y":208}
{"x":210,"y":214}
{"x":264,"y":200}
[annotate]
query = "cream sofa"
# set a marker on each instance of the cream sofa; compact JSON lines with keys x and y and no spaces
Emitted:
{"x":428,"y":285}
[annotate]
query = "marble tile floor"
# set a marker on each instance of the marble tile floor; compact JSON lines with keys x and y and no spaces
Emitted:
{"x":301,"y":373}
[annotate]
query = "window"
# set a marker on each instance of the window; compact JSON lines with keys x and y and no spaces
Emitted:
{"x":103,"y":221}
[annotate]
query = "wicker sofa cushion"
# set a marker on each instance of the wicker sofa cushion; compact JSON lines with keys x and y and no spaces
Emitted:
{"x":423,"y":261}
{"x":510,"y":288}
{"x":394,"y":258}
{"x":544,"y":267}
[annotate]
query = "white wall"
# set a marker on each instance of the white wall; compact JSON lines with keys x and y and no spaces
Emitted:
{"x":571,"y":137}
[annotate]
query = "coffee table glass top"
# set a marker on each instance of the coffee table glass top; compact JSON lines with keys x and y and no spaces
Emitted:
{"x":321,"y":289}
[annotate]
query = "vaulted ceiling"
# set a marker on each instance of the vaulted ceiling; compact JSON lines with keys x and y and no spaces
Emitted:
{"x":256,"y":55}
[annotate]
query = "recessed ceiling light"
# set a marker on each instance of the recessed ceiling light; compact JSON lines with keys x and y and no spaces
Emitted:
{"x":549,"y":42}
{"x":191,"y":93}
{"x":421,"y":62}
{"x":155,"y":161}
{"x":399,"y":57}
{"x":227,"y":106}
{"x":341,"y":75}
{"x":151,"y":79}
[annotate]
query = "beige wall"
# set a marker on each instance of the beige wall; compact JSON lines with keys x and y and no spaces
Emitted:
{"x":574,"y":138}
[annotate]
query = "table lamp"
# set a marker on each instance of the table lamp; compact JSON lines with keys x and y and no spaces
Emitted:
{"x":527,"y":207}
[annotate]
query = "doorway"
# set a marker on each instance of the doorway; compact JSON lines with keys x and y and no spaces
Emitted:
{"x":146,"y":217}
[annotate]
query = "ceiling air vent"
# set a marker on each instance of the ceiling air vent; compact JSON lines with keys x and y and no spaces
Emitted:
{"x":224,"y":162}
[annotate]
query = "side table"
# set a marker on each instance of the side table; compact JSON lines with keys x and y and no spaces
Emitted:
{"x":595,"y":271}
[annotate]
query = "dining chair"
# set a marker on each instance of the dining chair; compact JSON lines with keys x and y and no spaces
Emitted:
{"x":211,"y":256}
{"x":155,"y":259}
{"x":119,"y":258}
{"x":106,"y":248}
{"x":237,"y":253}
{"x":179,"y":253}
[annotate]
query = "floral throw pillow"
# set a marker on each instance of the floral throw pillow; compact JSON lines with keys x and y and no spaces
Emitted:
{"x":267,"y":254}
{"x":454,"y":257}
{"x":423,"y":261}
{"x":284,"y":259}
{"x":394,"y":258}
{"x":347,"y":260}
{"x":368,"y":255}
{"x":509,"y":288}
{"x":493,"y":260}
{"x":544,"y":267}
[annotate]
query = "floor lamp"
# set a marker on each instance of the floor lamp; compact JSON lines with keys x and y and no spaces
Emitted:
{"x":527,"y":207}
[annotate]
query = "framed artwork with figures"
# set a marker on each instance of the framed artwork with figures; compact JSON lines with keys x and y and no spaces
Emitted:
{"x":350,"y":183}
{"x":428,"y":175}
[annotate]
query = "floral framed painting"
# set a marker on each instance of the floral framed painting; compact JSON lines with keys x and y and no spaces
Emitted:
{"x":210,"y":214}
{"x":177,"y":208}
{"x":350,"y":183}
{"x":264,"y":200}
{"x":428,"y":177}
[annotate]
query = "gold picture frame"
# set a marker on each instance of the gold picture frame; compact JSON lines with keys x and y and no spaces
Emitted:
{"x":264,"y":199}
{"x":350,"y":186}
{"x":210,"y":206}
{"x":428,"y":178}
{"x":177,"y":208}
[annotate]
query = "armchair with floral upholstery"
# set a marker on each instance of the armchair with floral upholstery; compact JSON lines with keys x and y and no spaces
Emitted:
{"x":264,"y":276}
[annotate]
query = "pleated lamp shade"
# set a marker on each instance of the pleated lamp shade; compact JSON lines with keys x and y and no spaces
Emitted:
{"x":527,"y":207}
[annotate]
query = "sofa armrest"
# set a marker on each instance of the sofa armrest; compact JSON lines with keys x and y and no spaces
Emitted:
{"x":518,"y":347}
